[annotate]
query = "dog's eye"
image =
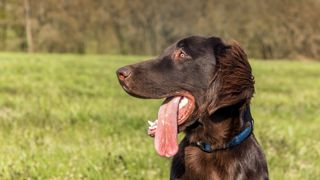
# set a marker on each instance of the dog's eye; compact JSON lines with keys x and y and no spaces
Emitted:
{"x":182,"y":55}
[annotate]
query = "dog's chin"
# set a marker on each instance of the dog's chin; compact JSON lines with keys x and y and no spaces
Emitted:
{"x":188,"y":123}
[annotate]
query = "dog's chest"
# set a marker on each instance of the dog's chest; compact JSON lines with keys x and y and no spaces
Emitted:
{"x":199,"y":164}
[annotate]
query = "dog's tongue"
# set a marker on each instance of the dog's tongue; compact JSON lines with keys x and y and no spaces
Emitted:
{"x":167,"y":128}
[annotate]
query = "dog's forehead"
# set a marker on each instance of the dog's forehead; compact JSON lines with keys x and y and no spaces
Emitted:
{"x":193,"y":40}
{"x":190,"y":41}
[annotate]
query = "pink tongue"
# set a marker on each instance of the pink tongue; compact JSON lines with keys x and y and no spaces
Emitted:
{"x":167,"y":128}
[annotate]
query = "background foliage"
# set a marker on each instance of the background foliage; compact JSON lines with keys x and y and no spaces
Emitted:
{"x":267,"y":29}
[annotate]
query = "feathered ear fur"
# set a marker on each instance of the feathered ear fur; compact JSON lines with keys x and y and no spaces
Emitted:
{"x":233,"y":81}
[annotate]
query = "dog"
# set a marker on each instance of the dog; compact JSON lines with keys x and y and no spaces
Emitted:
{"x":207,"y":85}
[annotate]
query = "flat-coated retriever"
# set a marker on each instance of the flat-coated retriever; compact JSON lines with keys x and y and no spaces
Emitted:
{"x":207,"y":85}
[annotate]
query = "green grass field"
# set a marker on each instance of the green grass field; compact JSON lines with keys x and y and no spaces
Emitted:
{"x":66,"y":117}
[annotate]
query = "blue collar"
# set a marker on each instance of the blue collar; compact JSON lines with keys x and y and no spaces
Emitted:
{"x":243,"y":135}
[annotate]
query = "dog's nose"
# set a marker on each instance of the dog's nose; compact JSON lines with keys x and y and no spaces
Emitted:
{"x":123,"y":73}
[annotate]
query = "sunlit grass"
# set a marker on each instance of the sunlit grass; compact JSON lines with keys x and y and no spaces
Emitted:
{"x":65,"y":116}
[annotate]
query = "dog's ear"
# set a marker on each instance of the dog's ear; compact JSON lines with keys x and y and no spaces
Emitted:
{"x":233,"y":81}
{"x":218,"y":45}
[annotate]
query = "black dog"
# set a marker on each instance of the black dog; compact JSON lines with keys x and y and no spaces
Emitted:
{"x":208,"y":86}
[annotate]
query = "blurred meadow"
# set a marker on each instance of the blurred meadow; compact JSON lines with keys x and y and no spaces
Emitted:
{"x":66,"y":117}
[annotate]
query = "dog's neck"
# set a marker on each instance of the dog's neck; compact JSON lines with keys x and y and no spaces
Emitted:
{"x":219,"y":128}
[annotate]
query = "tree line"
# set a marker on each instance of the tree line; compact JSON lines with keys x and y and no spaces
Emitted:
{"x":266,"y":29}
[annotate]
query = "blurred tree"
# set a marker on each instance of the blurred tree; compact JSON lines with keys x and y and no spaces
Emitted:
{"x":3,"y":24}
{"x":28,"y":25}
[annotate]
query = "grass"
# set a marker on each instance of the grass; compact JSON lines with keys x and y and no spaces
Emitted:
{"x":66,"y":117}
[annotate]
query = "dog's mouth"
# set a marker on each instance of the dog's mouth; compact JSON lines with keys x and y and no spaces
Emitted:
{"x":173,"y":113}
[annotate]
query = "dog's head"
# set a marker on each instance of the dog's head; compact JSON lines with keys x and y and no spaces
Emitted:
{"x":197,"y":76}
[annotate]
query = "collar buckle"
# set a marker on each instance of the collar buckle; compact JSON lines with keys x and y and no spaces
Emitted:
{"x":206,"y":147}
